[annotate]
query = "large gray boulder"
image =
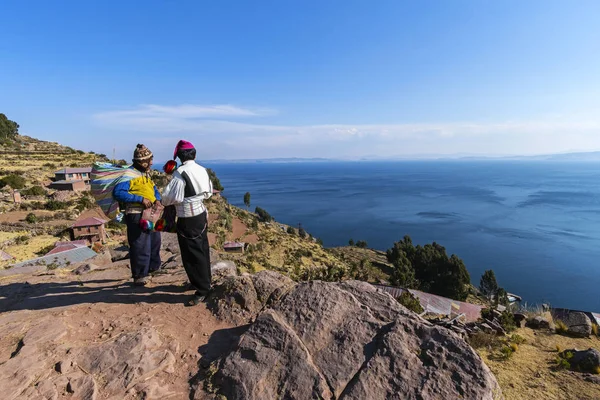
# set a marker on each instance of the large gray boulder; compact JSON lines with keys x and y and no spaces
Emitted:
{"x":583,"y":360}
{"x":579,"y":325}
{"x":350,"y":341}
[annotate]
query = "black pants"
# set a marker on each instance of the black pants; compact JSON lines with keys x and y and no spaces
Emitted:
{"x":192,"y":233}
{"x":144,"y":248}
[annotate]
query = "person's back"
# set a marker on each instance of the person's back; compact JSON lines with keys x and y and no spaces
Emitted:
{"x":187,"y":190}
{"x":197,"y":188}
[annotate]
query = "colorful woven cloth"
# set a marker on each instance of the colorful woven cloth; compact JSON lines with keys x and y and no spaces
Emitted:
{"x":105,"y":177}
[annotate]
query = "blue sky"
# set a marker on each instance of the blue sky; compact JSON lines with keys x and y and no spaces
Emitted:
{"x":291,"y":78}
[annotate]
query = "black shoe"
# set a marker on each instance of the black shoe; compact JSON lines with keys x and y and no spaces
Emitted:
{"x":141,"y":281}
{"x":194,"y":301}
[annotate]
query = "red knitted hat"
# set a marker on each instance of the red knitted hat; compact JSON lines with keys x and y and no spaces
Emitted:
{"x":182,"y":145}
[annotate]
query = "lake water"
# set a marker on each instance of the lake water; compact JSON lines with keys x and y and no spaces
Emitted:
{"x":536,"y":224}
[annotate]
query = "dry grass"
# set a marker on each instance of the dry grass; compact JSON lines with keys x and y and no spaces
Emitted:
{"x":530,"y":373}
{"x":28,"y":251}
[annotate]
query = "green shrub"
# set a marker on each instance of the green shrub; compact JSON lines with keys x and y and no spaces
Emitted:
{"x":54,"y":205}
{"x":518,"y":339}
{"x":34,"y":191}
{"x":31,"y":218}
{"x":85,"y":203}
{"x":562,"y":360}
{"x":507,"y":320}
{"x":362,"y":244}
{"x":506,"y":352}
{"x":263,"y":215}
{"x":23,"y":239}
{"x":411,"y":302}
{"x":320,"y":241}
{"x":291,"y":230}
{"x":14,"y":181}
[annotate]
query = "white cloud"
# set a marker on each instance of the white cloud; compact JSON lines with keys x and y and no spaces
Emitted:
{"x":216,"y":127}
{"x":178,"y":117}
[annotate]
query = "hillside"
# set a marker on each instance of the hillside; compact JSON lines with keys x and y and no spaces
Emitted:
{"x":91,"y":305}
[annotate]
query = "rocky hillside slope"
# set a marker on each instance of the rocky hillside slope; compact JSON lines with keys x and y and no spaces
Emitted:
{"x":88,"y":334}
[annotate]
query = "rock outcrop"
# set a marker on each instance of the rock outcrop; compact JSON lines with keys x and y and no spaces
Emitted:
{"x":578,"y":324}
{"x":239,"y":299}
{"x":347,"y":341}
{"x":583,"y":360}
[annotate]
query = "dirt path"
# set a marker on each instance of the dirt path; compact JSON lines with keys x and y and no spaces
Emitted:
{"x":102,"y":306}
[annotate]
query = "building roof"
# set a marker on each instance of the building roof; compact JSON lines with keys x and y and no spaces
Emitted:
{"x":435,"y":304}
{"x":4,"y":256}
{"x":74,"y":170}
{"x":64,"y":182}
{"x":83,"y":242}
{"x":61,"y":259}
{"x":233,"y":245}
{"x":66,"y":247}
{"x":91,"y":221}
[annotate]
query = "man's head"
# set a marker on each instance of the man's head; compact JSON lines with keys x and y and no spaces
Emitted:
{"x":185,"y":151}
{"x":142,"y":158}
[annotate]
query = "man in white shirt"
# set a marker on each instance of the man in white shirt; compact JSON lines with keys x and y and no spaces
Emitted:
{"x":187,"y":191}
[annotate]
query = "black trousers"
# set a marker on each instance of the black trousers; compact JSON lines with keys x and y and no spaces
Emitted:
{"x":144,"y":248}
{"x":192,"y":234}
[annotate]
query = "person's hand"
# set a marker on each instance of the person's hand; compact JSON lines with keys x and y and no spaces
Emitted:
{"x":158,"y":203}
{"x":146,"y":203}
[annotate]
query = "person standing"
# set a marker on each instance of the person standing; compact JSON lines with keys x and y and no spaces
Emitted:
{"x":187,"y":191}
{"x":138,"y":194}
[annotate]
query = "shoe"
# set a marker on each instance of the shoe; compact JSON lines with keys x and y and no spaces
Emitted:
{"x":140,"y":281}
{"x":194,"y":301}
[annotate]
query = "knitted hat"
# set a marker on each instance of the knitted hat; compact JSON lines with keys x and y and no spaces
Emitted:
{"x":182,"y":145}
{"x":141,"y":153}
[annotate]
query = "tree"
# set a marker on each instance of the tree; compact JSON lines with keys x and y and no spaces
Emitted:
{"x":429,"y":268}
{"x":403,"y":273}
{"x":488,"y":284}
{"x":362,"y":244}
{"x":291,"y":230}
{"x":247,"y":200}
{"x":215,"y":181}
{"x":263,"y":215}
{"x":8,"y":129}
{"x":501,"y":297}
{"x":302,"y":233}
{"x":351,"y":242}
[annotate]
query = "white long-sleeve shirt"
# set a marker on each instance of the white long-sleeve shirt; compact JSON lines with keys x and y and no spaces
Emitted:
{"x":188,"y":189}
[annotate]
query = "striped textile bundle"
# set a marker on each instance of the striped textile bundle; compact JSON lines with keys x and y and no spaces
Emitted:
{"x":104,"y":178}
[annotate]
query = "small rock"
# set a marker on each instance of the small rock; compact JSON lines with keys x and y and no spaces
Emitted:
{"x":538,"y":323}
{"x":84,"y":269}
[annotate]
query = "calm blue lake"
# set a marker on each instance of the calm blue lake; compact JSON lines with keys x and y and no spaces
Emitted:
{"x":536,"y":224}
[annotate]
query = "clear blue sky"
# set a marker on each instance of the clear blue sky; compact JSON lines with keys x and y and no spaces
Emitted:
{"x":285,"y":78}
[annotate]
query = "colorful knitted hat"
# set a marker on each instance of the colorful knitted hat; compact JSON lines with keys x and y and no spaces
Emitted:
{"x":141,"y":153}
{"x":182,"y":145}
